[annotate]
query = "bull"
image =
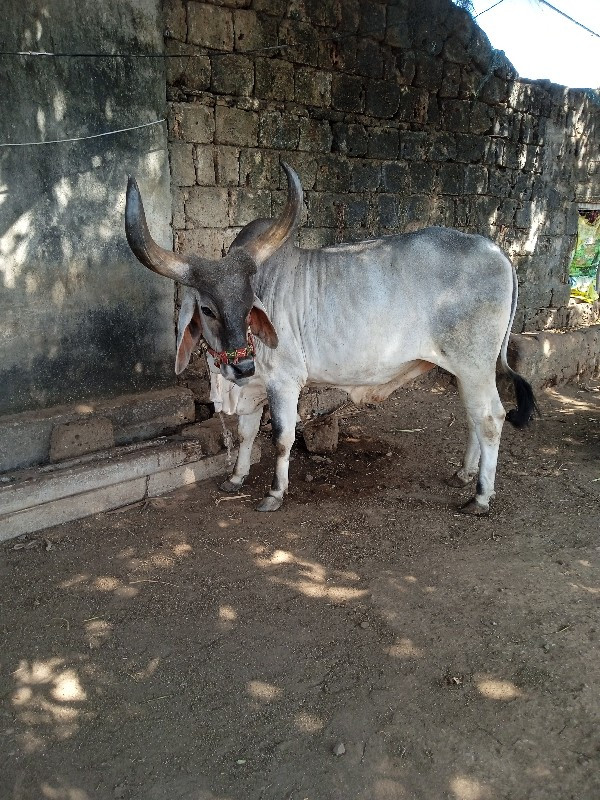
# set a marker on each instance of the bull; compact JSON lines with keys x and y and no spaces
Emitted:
{"x":365,"y":317}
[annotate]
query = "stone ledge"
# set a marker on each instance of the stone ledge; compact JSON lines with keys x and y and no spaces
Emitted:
{"x":38,"y":499}
{"x":25,"y":438}
{"x":551,"y":358}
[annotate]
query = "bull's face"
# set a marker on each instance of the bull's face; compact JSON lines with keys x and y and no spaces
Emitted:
{"x":219,"y":304}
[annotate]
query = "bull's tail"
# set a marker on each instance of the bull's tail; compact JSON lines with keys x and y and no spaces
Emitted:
{"x":527,"y":407}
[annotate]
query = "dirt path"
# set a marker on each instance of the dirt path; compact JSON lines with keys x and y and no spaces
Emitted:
{"x":196,"y":650}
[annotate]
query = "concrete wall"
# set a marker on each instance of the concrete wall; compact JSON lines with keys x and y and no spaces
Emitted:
{"x":79,"y":317}
{"x":396,"y":115}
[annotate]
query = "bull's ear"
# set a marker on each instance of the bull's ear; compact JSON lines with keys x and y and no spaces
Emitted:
{"x":261,"y":326}
{"x":189,"y":330}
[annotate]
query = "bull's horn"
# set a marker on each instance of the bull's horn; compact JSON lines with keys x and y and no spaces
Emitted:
{"x":143,"y":245}
{"x":266,"y":243}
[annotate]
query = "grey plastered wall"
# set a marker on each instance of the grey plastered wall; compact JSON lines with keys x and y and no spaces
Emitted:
{"x":79,"y":316}
{"x":397,"y":114}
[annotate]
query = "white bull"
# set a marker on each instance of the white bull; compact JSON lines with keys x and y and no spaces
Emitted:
{"x":365,"y":317}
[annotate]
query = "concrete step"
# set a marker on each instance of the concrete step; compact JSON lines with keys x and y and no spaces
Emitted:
{"x":34,"y":499}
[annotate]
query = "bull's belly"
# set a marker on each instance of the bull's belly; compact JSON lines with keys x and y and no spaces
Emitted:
{"x":375,"y":390}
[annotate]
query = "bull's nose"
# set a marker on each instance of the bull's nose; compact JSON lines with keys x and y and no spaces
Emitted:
{"x":243,"y":369}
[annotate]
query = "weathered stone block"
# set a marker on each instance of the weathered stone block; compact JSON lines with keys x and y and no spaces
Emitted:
{"x":315,"y":135}
{"x":384,"y":143}
{"x":428,"y":72}
{"x":413,"y":145}
{"x":369,"y":58}
{"x":275,"y":7}
{"x":323,"y":12}
{"x":313,"y":87}
{"x":204,"y":161}
{"x":74,"y":439}
{"x":422,"y":177}
{"x":191,"y":72}
{"x":323,"y":210}
{"x":413,"y":105}
{"x":274,"y":79}
{"x":232,"y":74}
{"x":191,"y":122}
{"x":235,"y":126}
{"x":395,"y":177}
{"x":366,"y":175}
{"x":456,"y":115}
{"x":450,"y":85}
{"x":210,"y":26}
{"x":495,"y":91}
{"x":348,"y":93}
{"x":321,"y":435}
{"x":451,"y":178}
{"x":413,"y":211}
{"x":303,"y":41}
{"x":387,"y":211}
{"x":480,"y":50}
{"x":382,"y":99}
{"x":476,"y":179}
{"x":354,"y":211}
{"x":333,"y":174}
{"x":398,"y":29}
{"x":470,"y":148}
{"x":227,"y":165}
{"x":482,"y":118}
{"x":372,"y":20}
{"x":207,"y":207}
{"x":175,"y":20}
{"x":455,"y":51}
{"x":442,"y":147}
{"x":178,"y":206}
{"x":352,"y":140}
{"x":210,"y":434}
{"x":181,"y":156}
{"x":248,"y":204}
{"x":259,"y":169}
{"x":206,"y":242}
{"x":253,"y":31}
{"x":281,"y":131}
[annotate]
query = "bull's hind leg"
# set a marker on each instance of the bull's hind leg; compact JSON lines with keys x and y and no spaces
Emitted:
{"x":486,"y":416}
{"x":470,"y":465}
{"x":283,"y":402}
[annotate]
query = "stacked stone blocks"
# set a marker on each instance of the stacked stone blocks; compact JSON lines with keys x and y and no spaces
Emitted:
{"x":396,"y":115}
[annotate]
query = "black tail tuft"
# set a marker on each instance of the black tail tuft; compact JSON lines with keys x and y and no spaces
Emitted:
{"x":526,"y":408}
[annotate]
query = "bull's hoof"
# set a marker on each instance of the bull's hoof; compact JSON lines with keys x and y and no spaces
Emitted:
{"x":230,"y":488}
{"x":457,"y":482}
{"x":270,"y":503}
{"x":475,"y":509}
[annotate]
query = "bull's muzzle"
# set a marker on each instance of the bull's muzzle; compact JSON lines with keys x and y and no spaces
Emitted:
{"x":243,"y":369}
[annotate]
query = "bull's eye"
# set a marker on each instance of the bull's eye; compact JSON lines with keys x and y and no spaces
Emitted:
{"x":207,"y":312}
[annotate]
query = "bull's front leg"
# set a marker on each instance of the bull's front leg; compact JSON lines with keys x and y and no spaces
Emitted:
{"x":283,"y":403}
{"x":248,"y":425}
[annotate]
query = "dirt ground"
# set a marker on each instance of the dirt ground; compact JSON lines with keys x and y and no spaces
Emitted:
{"x":366,"y":642}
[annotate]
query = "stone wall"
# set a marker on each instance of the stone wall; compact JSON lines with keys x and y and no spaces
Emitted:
{"x":395,"y":114}
{"x":80,"y":319}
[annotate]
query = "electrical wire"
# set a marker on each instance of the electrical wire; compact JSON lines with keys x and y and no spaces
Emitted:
{"x":83,"y":138}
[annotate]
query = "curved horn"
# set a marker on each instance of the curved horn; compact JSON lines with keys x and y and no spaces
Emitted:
{"x":143,"y":245}
{"x":266,"y":243}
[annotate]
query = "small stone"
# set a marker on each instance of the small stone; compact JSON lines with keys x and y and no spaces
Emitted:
{"x":308,"y":478}
{"x":339,"y":749}
{"x":364,"y":625}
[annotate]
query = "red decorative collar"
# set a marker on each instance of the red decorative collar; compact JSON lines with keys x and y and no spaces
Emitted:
{"x":233,"y":356}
